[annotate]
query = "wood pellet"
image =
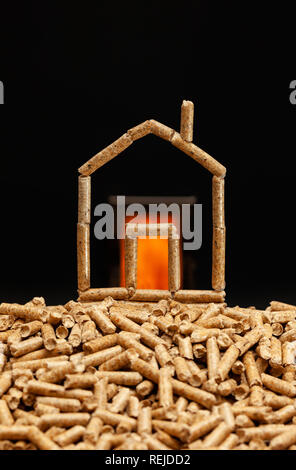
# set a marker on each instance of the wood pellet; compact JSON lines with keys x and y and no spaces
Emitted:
{"x":124,"y":375}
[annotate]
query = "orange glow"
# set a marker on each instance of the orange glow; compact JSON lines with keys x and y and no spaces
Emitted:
{"x":152,"y":262}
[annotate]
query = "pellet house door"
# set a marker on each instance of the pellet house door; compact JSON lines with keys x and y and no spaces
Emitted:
{"x":152,"y":262}
{"x":152,"y":265}
{"x":152,"y":253}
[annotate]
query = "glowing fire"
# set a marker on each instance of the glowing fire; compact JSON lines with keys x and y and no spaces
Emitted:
{"x":152,"y":262}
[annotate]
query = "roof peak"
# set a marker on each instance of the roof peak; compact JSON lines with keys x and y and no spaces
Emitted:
{"x":182,"y":140}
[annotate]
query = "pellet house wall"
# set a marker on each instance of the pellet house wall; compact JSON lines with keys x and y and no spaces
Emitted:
{"x":83,"y":232}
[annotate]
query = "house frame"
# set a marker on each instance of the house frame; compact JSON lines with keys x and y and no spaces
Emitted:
{"x":182,"y":141}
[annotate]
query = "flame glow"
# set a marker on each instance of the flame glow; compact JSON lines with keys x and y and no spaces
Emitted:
{"x":152,"y":262}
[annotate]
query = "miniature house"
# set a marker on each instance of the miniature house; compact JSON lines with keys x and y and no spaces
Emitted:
{"x":183,"y":141}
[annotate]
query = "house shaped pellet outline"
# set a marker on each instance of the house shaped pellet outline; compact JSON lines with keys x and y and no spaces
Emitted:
{"x":182,"y":141}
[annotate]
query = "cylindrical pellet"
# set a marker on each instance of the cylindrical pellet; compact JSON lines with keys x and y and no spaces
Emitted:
{"x":217,"y":436}
{"x":100,"y":391}
{"x":278,"y":385}
{"x":49,"y":337}
{"x":182,"y":370}
{"x":199,"y":296}
{"x":97,"y":358}
{"x":65,"y":420}
{"x":125,"y":378}
{"x":198,"y":155}
{"x":133,"y":407}
{"x":6,"y":418}
{"x":140,"y":130}
{"x":100,"y":344}
{"x":213,"y":357}
{"x":83,"y":257}
{"x":30,"y":328}
{"x":41,"y":441}
{"x":5,"y":382}
{"x":252,"y":373}
{"x":120,"y":401}
{"x":165,"y":388}
{"x":93,"y":430}
{"x":218,"y":201}
{"x":226,"y":363}
{"x":174,"y":264}
{"x":106,"y":155}
{"x":187,"y":115}
{"x":144,"y":422}
{"x":130,"y":261}
{"x":185,"y":347}
{"x":69,"y":405}
{"x":218,"y":259}
{"x":75,"y":336}
{"x":144,"y":388}
{"x":84,"y":199}
{"x":24,"y":347}
{"x":85,"y":380}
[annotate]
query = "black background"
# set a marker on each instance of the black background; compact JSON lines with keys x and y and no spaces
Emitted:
{"x":78,"y":75}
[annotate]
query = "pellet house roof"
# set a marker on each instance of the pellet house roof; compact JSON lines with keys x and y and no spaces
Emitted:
{"x":151,"y":126}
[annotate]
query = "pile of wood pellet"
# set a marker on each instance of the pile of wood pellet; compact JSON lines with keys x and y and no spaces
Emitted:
{"x":136,"y":376}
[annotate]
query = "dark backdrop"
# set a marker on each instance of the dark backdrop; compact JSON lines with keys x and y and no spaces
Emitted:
{"x":78,"y":75}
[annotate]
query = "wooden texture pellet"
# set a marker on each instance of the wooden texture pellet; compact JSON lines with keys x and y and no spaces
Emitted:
{"x":130,"y":375}
{"x":84,"y":199}
{"x":83,"y":256}
{"x":130,"y":261}
{"x":106,"y":155}
{"x":187,"y":115}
